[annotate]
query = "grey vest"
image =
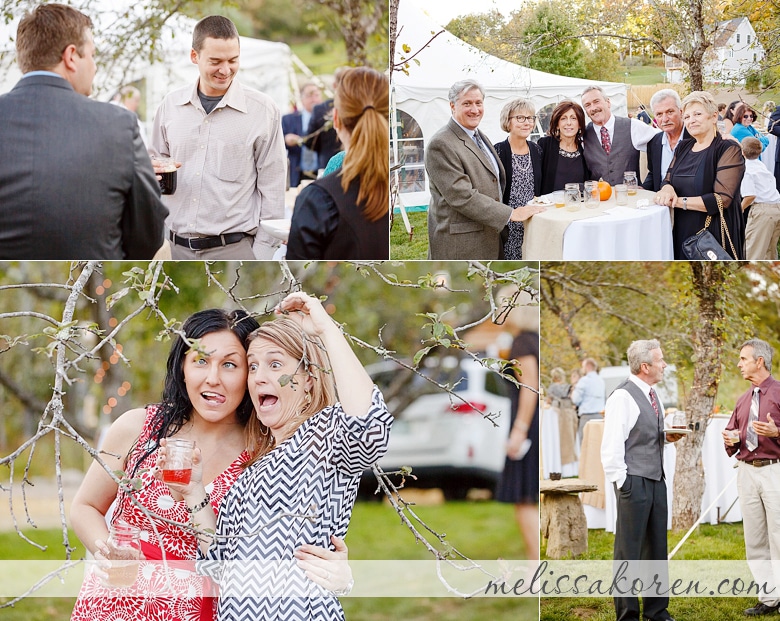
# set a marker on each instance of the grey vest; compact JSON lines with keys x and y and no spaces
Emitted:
{"x":644,"y":447}
{"x":622,"y":156}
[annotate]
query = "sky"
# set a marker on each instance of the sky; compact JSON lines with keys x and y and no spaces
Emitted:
{"x":442,"y":11}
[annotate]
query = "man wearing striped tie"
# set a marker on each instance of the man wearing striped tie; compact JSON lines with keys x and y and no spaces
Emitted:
{"x":752,"y":434}
{"x":632,"y":456}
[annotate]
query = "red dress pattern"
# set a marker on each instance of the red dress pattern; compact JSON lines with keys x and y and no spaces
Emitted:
{"x":142,"y":601}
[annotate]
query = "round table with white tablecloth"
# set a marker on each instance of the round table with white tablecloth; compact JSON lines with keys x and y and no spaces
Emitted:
{"x":608,"y":232}
{"x":718,"y":474}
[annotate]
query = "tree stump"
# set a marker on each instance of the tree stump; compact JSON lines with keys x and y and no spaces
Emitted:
{"x":563,"y":520}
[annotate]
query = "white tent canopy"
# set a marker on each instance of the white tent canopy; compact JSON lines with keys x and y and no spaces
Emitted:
{"x":423,"y":93}
{"x":265,"y":66}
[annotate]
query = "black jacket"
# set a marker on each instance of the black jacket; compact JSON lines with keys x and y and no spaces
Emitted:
{"x":505,"y":155}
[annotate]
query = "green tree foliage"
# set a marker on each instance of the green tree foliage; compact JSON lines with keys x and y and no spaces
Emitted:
{"x":602,"y":62}
{"x":485,"y":31}
{"x":549,"y":39}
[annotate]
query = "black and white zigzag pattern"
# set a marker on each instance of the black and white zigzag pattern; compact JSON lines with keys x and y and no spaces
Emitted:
{"x":316,"y":472}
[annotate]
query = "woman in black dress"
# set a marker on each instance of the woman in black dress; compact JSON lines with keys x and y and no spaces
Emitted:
{"x":522,"y":162}
{"x":519,"y":483}
{"x":706,"y":168}
{"x":563,"y":160}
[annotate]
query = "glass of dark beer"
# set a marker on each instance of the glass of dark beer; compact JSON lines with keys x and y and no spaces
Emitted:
{"x":165,"y":167}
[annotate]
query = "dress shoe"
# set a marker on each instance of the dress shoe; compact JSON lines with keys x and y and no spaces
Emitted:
{"x":761,"y":609}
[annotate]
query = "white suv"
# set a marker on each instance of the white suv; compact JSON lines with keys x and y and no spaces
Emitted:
{"x":446,"y":443}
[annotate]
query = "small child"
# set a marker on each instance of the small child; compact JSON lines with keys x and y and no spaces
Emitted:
{"x":758,"y":189}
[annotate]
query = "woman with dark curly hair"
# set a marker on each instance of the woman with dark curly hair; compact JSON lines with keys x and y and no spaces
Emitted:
{"x":563,"y":160}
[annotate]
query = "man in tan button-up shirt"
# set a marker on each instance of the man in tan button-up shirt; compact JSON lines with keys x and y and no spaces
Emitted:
{"x":229,"y":141}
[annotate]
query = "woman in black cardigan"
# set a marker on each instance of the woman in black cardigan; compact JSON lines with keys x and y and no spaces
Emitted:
{"x":705,"y":168}
{"x":522,"y":162}
{"x":563,"y":160}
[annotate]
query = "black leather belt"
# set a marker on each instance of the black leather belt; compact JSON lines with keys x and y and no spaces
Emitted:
{"x":204,"y":243}
{"x":759,"y":463}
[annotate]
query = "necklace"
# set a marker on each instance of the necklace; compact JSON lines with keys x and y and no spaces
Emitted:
{"x":572,"y":155}
{"x":523,"y":161}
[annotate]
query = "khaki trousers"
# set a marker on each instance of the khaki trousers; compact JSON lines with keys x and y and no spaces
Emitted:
{"x":759,"y":498}
{"x":762,"y":232}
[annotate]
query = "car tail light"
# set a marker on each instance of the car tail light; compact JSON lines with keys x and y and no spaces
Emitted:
{"x":469,"y":408}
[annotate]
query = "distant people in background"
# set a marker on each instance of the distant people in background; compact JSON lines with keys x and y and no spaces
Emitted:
{"x":728,"y":117}
{"x":759,"y":192}
{"x":519,"y":482}
{"x":766,"y":113}
{"x":302,"y":161}
{"x":522,"y":161}
{"x":705,"y":171}
{"x":612,"y":144}
{"x":324,"y":140}
{"x":559,"y":393}
{"x":721,"y":111}
{"x":642,"y":115}
{"x":588,"y":395}
{"x":76,"y":181}
{"x":229,"y":139}
{"x":466,"y":178}
{"x":774,"y":129}
{"x":563,"y":157}
{"x":129,"y":97}
{"x":667,"y":109}
{"x":345,"y":215}
{"x":744,"y":117}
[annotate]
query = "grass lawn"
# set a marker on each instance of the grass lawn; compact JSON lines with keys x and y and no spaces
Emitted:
{"x":721,"y":541}
{"x":401,"y":247}
{"x":643,"y":74}
{"x":322,"y":57}
{"x":481,"y":530}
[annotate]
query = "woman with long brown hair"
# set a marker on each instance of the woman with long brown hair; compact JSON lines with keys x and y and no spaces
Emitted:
{"x":344,"y":215}
{"x":563,"y":159}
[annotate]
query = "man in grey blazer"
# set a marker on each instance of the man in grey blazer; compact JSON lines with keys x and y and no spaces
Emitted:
{"x":75,"y":179}
{"x":466,"y":179}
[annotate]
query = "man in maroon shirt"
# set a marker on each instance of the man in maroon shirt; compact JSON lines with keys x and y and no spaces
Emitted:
{"x":756,"y":418}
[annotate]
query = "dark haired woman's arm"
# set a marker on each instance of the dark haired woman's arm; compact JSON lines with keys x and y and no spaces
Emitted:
{"x":98,"y":490}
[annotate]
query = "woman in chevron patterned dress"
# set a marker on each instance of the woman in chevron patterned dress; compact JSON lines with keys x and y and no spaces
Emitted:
{"x":301,"y":487}
{"x":204,"y":399}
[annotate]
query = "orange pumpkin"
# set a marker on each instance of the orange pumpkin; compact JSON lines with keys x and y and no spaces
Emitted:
{"x":605,"y":190}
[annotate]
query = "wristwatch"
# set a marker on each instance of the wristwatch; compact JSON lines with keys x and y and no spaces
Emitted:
{"x":685,"y":203}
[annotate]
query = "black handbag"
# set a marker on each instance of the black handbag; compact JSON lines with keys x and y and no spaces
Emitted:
{"x":704,"y":247}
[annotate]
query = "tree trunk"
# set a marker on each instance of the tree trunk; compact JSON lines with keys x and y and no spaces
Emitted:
{"x":708,"y":278}
{"x":393,"y":30}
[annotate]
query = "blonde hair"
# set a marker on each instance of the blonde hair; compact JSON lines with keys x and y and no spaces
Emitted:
{"x":516,"y":105}
{"x":362,"y":100}
{"x":702,"y":98}
{"x":313,"y":358}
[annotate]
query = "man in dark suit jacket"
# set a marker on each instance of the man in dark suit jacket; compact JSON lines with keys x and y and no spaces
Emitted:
{"x":302,"y":161}
{"x":325,"y":141}
{"x":75,"y":179}
{"x":774,"y":128}
{"x":667,"y":109}
{"x":465,"y":214}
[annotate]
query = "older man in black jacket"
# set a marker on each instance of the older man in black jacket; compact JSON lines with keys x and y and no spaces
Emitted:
{"x":667,"y":110}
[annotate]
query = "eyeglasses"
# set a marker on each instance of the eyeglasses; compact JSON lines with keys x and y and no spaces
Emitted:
{"x":749,"y":116}
{"x":523,"y":119}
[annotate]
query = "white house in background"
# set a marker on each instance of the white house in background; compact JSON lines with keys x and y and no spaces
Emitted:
{"x":735,"y":52}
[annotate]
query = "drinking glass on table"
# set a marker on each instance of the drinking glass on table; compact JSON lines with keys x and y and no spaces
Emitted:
{"x":630,"y":181}
{"x":621,"y":194}
{"x":572,"y":196}
{"x":559,"y":198}
{"x":591,"y":194}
